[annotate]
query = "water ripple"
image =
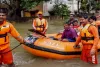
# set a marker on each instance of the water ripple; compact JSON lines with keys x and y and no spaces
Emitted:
{"x":21,"y":58}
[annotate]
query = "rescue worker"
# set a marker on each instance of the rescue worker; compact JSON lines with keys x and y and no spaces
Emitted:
{"x":40,"y":24}
{"x":89,"y":38}
{"x":6,"y":28}
{"x":98,"y":22}
{"x":93,"y":20}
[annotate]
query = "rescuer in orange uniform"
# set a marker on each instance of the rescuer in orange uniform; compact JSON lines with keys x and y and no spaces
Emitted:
{"x":40,"y":24}
{"x":6,"y":28}
{"x":94,"y":21}
{"x":89,"y":38}
{"x":98,"y":22}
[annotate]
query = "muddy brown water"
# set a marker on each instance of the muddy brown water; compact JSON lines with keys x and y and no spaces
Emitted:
{"x":22,"y":58}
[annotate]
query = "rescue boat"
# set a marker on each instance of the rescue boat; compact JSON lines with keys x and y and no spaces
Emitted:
{"x":53,"y":49}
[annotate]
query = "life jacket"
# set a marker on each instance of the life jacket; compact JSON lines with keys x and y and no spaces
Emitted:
{"x":86,"y":36}
{"x":98,"y":26}
{"x":6,"y":28}
{"x":4,"y":38}
{"x":39,"y":25}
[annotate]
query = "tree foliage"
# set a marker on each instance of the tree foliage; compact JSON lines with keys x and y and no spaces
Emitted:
{"x":96,"y":6}
{"x":88,"y":5}
{"x":28,"y":4}
{"x":60,"y":10}
{"x":84,"y":5}
{"x":15,"y":6}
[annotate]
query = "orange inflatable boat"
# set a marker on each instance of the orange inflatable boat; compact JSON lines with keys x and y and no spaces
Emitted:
{"x":54,"y":49}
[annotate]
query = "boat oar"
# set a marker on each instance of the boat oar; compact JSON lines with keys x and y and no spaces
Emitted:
{"x":33,"y":30}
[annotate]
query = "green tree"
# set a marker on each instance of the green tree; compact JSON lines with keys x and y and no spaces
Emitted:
{"x":28,"y":4}
{"x":96,"y":5}
{"x":88,"y":5}
{"x":84,"y":5}
{"x":15,"y":6}
{"x":60,"y":10}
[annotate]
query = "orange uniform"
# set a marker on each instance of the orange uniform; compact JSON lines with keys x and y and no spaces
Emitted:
{"x":40,"y":25}
{"x":6,"y":28}
{"x":97,"y":24}
{"x":89,"y":38}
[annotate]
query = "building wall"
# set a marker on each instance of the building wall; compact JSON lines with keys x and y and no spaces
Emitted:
{"x":47,"y":6}
{"x":72,"y":5}
{"x":28,"y":12}
{"x":8,"y":1}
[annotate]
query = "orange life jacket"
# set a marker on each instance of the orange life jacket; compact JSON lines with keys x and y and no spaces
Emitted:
{"x":40,"y":25}
{"x":86,"y":36}
{"x":6,"y":28}
{"x":98,"y":26}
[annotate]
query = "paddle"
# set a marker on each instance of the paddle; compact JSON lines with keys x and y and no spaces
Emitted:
{"x":33,"y":30}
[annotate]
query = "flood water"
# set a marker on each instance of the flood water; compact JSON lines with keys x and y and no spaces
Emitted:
{"x":22,"y":58}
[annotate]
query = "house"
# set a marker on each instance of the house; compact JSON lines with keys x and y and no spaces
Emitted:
{"x":47,"y":6}
{"x":32,"y":12}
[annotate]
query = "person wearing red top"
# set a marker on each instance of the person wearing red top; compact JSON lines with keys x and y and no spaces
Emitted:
{"x":75,"y":25}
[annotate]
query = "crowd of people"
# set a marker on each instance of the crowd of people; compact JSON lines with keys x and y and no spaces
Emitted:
{"x":76,"y":26}
{"x":86,"y":31}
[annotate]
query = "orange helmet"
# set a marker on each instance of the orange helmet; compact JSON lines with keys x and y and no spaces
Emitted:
{"x":40,"y":12}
